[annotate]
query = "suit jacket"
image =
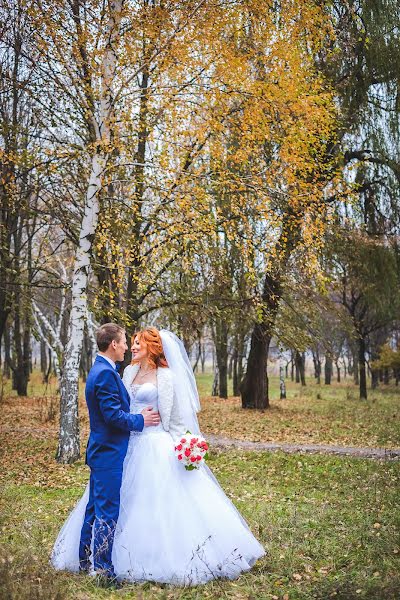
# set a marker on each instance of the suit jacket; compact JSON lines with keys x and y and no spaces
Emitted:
{"x":110,"y":421}
{"x":167,"y":406}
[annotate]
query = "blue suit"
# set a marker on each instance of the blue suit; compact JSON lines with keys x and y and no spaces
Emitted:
{"x":110,"y":426}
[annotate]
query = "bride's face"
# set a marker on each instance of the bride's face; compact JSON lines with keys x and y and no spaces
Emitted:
{"x":139,"y":349}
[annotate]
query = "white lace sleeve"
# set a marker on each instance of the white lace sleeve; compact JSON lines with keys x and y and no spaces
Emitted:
{"x":128,"y":376}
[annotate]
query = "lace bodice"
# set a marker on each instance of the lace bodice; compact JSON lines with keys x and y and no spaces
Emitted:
{"x":142,"y":396}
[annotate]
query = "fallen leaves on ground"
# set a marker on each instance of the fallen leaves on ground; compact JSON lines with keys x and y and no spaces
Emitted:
{"x":31,"y":424}
{"x":306,"y":419}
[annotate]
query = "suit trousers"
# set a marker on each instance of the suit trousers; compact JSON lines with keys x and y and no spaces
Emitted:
{"x":101,"y":516}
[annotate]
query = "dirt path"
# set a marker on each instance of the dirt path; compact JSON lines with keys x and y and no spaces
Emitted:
{"x":376,"y":453}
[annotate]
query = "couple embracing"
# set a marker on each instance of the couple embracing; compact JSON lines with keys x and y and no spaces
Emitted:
{"x":143,"y":517}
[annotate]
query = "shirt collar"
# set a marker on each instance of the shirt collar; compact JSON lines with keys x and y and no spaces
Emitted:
{"x":112,"y":363}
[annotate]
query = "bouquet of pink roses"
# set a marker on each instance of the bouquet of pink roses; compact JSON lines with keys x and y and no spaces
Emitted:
{"x":191,"y":450}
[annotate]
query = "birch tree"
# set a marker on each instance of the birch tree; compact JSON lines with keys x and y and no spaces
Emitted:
{"x":50,"y":330}
{"x":76,"y":44}
{"x":99,"y":122}
{"x":91,"y":53}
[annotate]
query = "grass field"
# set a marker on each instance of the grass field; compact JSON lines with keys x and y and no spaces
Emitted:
{"x":330,"y":525}
{"x":316,"y":414}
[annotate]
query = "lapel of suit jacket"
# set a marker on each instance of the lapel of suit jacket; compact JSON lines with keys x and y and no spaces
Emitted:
{"x":165,"y":395}
{"x":123,"y":390}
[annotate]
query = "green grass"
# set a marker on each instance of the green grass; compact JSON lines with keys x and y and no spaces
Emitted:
{"x":331,"y":528}
{"x":36,"y":387}
{"x":315,"y":414}
{"x":330,"y":525}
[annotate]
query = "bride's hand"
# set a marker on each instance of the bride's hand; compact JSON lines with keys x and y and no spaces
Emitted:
{"x":151,"y":417}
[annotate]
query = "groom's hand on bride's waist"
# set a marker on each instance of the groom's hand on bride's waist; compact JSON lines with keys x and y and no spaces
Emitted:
{"x":151,"y":417}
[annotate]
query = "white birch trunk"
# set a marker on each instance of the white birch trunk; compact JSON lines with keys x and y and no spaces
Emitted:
{"x":69,"y":445}
{"x":49,"y":334}
{"x":37,"y":316}
{"x":92,"y":333}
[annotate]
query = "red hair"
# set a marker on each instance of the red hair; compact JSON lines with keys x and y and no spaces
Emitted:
{"x":155,"y":352}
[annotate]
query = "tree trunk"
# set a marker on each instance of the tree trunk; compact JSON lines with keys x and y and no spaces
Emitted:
{"x":297,"y":369}
{"x":10,"y":206}
{"x":68,"y":442}
{"x":374,"y":378}
{"x":374,"y":353}
{"x":241,"y":357}
{"x":46,"y":376}
{"x":221,"y":351}
{"x":386,"y":376}
{"x":43,"y":359}
{"x":7,"y":352}
{"x":203,"y":357}
{"x":235,"y":380}
{"x":254,"y":388}
{"x":337,"y":372}
{"x":350,"y":365}
{"x":238,"y":353}
{"x":300,"y":368}
{"x":68,"y":445}
{"x":362,"y":368}
{"x":85,"y":363}
{"x":328,"y":369}
{"x":292,"y":365}
{"x":195,"y":367}
{"x":215,"y":384}
{"x":139,"y":179}
{"x":230,"y":367}
{"x":282,"y":385}
{"x":356,"y":372}
{"x":317,"y":366}
{"x":21,"y":338}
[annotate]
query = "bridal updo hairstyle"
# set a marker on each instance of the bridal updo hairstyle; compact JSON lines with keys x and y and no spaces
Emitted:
{"x":155,"y":353}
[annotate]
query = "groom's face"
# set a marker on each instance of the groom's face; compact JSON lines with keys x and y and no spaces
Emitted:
{"x":120,"y":347}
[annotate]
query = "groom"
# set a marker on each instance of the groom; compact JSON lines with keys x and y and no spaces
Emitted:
{"x":110,"y":426}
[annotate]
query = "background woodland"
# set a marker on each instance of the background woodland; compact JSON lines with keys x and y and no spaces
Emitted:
{"x":229,"y":170}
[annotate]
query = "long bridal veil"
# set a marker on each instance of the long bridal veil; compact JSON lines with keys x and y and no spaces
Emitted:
{"x":186,"y":394}
{"x":185,"y":389}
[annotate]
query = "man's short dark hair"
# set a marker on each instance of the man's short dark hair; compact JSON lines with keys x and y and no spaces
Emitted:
{"x":106,"y":334}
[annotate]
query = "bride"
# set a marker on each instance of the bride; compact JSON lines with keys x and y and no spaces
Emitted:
{"x":174,"y":526}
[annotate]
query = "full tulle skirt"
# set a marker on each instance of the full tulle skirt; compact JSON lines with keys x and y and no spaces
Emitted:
{"x":175,"y":526}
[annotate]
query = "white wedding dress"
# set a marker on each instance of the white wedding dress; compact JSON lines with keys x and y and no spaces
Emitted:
{"x":175,"y":526}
